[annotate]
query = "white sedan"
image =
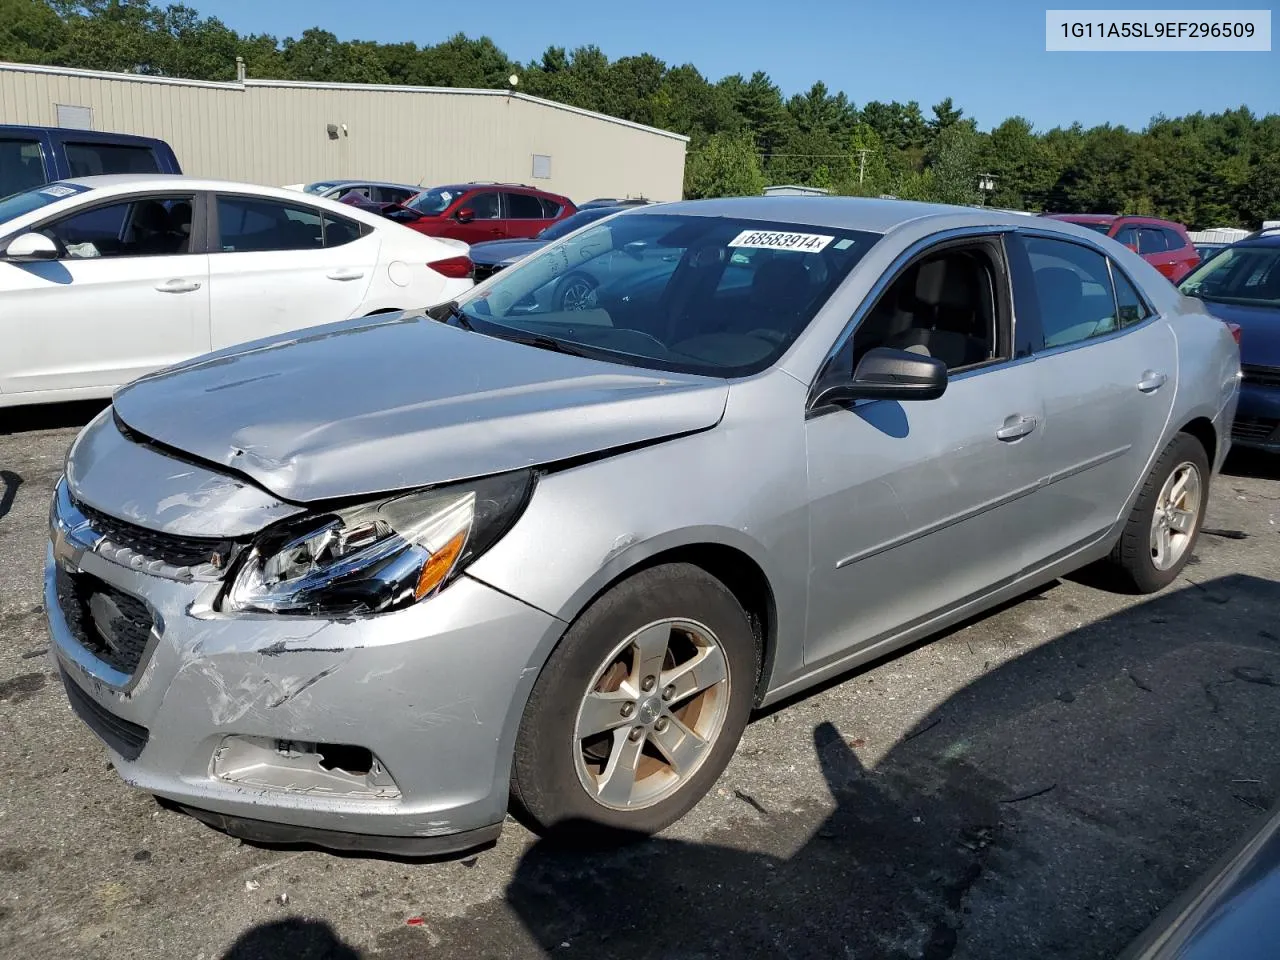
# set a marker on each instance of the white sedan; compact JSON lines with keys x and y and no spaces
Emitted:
{"x":104,"y":279}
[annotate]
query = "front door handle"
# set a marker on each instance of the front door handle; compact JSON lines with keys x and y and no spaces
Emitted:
{"x":1152,"y":381}
{"x":1016,"y":427}
{"x":178,"y":286}
{"x":346,"y":273}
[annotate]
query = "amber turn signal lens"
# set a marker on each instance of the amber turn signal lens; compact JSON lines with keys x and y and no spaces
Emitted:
{"x":439,"y":564}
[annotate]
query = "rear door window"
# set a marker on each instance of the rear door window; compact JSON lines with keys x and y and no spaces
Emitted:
{"x":522,"y":206}
{"x":1127,"y":235}
{"x":250,"y":224}
{"x":1132,"y":309}
{"x":550,"y":209}
{"x":96,"y":159}
{"x":339,"y":231}
{"x":1174,"y":240}
{"x":1151,"y":240}
{"x":1073,"y":287}
{"x":21,"y":165}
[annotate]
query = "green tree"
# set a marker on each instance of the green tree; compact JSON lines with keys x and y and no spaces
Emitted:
{"x":725,"y":166}
{"x":1258,"y":198}
{"x":30,"y":32}
{"x":1011,"y":154}
{"x":953,"y":164}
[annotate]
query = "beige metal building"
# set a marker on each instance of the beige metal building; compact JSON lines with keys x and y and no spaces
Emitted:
{"x":281,"y":132}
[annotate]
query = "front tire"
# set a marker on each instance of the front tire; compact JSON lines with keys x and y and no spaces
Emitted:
{"x":638,"y":710}
{"x":1163,"y":527}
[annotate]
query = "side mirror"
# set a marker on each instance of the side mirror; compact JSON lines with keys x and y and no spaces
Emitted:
{"x":31,"y":247}
{"x":465,"y":215}
{"x":885,"y":374}
{"x":403,"y":214}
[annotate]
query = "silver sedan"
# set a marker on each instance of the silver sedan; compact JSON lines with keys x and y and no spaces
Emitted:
{"x":365,"y":584}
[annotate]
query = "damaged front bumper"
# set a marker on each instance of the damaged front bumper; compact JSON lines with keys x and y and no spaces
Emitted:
{"x":390,"y":733}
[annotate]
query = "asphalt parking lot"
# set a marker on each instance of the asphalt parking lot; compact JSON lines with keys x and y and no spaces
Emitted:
{"x":1038,"y":783}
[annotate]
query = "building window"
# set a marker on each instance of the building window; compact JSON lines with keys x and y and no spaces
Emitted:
{"x":542,"y":166}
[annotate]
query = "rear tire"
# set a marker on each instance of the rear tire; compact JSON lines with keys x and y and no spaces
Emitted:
{"x":575,"y":292}
{"x":1163,"y":527}
{"x":638,"y":710}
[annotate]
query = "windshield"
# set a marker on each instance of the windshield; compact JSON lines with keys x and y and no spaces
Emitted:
{"x":1100,"y":227}
{"x":579,"y":219}
{"x":20,"y":204}
{"x":434,"y":200}
{"x":323,"y":185}
{"x":706,"y":295}
{"x":1245,"y":275}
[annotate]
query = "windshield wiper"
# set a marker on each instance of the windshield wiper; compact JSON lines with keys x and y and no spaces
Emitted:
{"x":543,"y":342}
{"x":445,"y":312}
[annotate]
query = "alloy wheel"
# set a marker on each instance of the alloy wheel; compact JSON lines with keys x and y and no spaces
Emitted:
{"x":1177,"y":512}
{"x":651,"y":715}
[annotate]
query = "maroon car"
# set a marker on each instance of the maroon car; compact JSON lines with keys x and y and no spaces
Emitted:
{"x":478,"y":212}
{"x":1162,"y":243}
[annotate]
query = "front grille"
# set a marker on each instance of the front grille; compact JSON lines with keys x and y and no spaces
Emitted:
{"x":173,"y":550}
{"x":86,"y":602}
{"x":125,"y":738}
{"x":1253,"y":429}
{"x":1263,"y":376}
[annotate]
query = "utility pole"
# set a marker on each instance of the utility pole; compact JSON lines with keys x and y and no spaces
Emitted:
{"x":862,"y":163}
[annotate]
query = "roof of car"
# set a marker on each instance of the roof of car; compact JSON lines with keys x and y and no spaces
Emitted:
{"x":482,"y":184}
{"x":848,"y":213}
{"x":172,"y":181}
{"x":1112,"y":218}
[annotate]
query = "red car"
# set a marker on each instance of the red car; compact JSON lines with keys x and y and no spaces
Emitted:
{"x":1162,"y":243}
{"x":476,"y":212}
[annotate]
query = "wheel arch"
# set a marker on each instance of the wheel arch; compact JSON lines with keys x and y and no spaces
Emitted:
{"x":1202,"y":429}
{"x":731,"y":563}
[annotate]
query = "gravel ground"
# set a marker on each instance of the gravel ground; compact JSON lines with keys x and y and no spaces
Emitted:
{"x":1038,"y":783}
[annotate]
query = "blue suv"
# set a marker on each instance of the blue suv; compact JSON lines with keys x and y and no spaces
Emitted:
{"x":31,"y":156}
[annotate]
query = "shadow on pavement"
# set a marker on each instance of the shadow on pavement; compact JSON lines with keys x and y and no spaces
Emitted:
{"x":1050,"y":809}
{"x":9,"y":484}
{"x":49,"y":416}
{"x":295,"y":938}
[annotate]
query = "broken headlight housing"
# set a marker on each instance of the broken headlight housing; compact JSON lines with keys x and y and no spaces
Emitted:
{"x":376,"y":556}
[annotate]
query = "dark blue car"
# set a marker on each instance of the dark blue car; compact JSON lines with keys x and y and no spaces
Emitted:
{"x":494,"y":255}
{"x":1241,"y":285}
{"x":32,"y":156}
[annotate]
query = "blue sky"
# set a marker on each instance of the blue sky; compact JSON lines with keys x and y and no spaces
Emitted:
{"x":988,"y":55}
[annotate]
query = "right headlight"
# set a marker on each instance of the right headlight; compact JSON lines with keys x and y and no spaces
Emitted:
{"x":376,"y":556}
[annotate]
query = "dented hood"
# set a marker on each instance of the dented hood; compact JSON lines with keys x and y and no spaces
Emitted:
{"x":369,"y":406}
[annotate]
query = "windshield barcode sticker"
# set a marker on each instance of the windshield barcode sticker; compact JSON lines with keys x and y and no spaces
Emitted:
{"x":778,"y":240}
{"x":58,"y":191}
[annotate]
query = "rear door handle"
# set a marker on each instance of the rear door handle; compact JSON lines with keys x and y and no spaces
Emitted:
{"x":346,"y":273}
{"x":1016,"y":427}
{"x":1152,"y":381}
{"x":178,"y":286}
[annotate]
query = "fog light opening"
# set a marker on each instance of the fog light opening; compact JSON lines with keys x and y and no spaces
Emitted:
{"x":356,"y":761}
{"x":294,"y":766}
